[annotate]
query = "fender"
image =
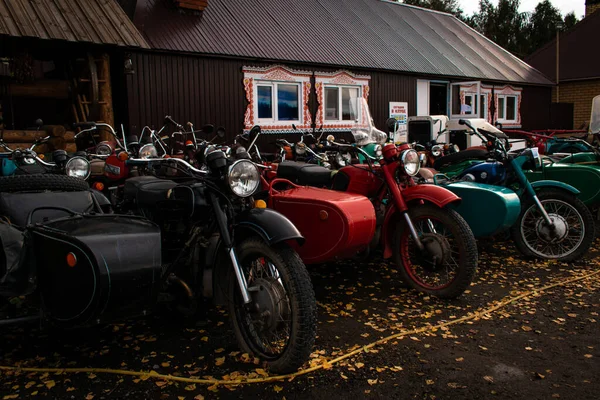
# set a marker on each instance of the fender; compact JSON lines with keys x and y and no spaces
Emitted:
{"x":437,"y":195}
{"x":272,"y":226}
{"x":554,"y":184}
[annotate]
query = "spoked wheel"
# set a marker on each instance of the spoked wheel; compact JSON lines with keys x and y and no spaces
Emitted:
{"x":566,"y":239}
{"x":447,"y":263}
{"x":279,"y":324}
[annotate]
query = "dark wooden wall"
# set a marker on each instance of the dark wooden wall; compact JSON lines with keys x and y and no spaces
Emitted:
{"x":535,"y":107}
{"x":210,"y":91}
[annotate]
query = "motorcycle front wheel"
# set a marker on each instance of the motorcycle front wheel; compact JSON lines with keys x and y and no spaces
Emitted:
{"x":567,"y":240}
{"x":446,"y":265}
{"x":279,"y":325}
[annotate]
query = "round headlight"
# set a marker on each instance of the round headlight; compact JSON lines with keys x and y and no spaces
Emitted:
{"x":78,"y":167}
{"x":436,"y":150}
{"x":243,"y":178}
{"x":456,"y":148}
{"x":378,"y":150}
{"x":148,"y":151}
{"x":410,"y":161}
{"x":339,"y":159}
{"x":300,"y":148}
{"x":104,"y":149}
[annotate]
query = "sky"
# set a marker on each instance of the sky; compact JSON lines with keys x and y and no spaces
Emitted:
{"x":565,"y":6}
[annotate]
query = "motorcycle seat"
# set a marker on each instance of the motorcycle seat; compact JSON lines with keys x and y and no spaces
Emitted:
{"x":455,"y":158}
{"x":147,"y":190}
{"x":305,"y":174}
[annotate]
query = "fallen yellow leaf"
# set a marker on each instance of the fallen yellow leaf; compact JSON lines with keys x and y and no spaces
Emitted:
{"x":372,"y":381}
{"x":199,"y":397}
{"x":10,"y":396}
{"x":277,"y":389}
{"x":165,"y":364}
{"x":191,"y":387}
{"x":359,"y":365}
{"x":89,"y":396}
{"x":220,"y":361}
{"x":70,"y":389}
{"x":219,"y":351}
{"x":430,"y":381}
{"x":50,"y":384}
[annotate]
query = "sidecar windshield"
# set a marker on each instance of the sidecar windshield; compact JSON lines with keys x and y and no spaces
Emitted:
{"x":364,"y":130}
{"x":595,"y":118}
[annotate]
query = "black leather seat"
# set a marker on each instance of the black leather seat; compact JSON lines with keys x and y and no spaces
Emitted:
{"x":455,"y":158}
{"x":305,"y":174}
{"x":147,"y":190}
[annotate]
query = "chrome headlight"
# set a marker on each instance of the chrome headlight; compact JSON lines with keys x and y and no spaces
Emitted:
{"x":104,"y":149}
{"x":243,"y":178}
{"x":378,"y":150}
{"x":300,"y":148}
{"x":537,"y":159}
{"x":455,"y":148}
{"x":148,"y":151}
{"x":410,"y":162}
{"x":339,"y":159}
{"x":78,"y":167}
{"x":436,"y":150}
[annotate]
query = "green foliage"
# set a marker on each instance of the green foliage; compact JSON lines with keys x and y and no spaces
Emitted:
{"x":448,"y":6}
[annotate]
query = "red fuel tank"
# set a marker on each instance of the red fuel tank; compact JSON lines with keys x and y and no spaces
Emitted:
{"x":335,"y":225}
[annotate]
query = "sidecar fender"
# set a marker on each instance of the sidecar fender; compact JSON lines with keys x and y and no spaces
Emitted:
{"x":270,"y":225}
{"x":437,"y":195}
{"x":554,"y":184}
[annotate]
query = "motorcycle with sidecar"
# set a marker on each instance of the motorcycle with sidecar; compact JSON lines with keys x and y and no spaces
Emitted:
{"x":178,"y":240}
{"x":553,"y":222}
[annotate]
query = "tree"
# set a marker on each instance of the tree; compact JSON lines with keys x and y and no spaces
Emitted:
{"x":544,"y":21}
{"x":570,"y":20}
{"x":448,"y":6}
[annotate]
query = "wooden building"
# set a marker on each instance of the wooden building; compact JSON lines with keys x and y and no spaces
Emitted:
{"x":275,"y":63}
{"x":61,"y":61}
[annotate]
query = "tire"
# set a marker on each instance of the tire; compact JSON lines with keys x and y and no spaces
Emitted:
{"x":460,"y":242}
{"x":42,"y":182}
{"x":455,"y":158}
{"x":581,"y":216}
{"x":301,"y":305}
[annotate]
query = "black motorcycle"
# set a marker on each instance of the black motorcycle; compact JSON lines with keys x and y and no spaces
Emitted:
{"x":180,"y":241}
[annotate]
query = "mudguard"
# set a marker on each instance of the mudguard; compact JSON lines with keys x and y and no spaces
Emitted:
{"x":554,"y":184}
{"x":272,"y":226}
{"x":437,"y":195}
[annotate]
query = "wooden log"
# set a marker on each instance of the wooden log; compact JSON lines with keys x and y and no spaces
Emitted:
{"x":30,"y":136}
{"x":106,"y":103}
{"x":54,"y":89}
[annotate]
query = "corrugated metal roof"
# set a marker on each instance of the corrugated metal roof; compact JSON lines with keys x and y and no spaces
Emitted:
{"x":372,"y":34}
{"x":89,"y":21}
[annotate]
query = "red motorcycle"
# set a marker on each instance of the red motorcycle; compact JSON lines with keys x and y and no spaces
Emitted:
{"x":376,"y":206}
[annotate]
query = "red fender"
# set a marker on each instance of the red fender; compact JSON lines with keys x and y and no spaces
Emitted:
{"x":437,"y":195}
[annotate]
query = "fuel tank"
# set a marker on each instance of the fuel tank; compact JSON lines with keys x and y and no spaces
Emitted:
{"x":94,"y":269}
{"x":335,"y":224}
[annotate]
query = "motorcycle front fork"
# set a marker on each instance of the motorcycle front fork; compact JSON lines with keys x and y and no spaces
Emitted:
{"x":226,"y":237}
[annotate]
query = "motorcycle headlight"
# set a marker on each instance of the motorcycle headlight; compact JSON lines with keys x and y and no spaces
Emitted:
{"x":300,"y":148}
{"x":455,"y":148}
{"x":410,"y":161}
{"x":148,"y":151}
{"x":339,"y":159}
{"x":243,"y":178}
{"x":436,"y":150}
{"x":104,"y":149}
{"x":378,"y":150}
{"x":78,"y":167}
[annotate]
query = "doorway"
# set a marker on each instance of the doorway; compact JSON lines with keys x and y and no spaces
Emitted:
{"x":438,"y":98}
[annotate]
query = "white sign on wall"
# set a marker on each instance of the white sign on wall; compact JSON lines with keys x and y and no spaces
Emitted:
{"x":399,"y":111}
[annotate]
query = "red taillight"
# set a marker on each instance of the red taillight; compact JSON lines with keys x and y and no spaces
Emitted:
{"x":99,"y":186}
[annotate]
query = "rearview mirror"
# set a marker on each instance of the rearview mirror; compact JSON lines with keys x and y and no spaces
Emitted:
{"x":330,"y":138}
{"x":221,"y":132}
{"x":462,"y":122}
{"x":391,"y":124}
{"x":208,"y":129}
{"x":254,"y":132}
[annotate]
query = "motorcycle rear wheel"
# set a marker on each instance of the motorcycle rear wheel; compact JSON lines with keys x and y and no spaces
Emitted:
{"x":279,"y":325}
{"x":451,"y":252}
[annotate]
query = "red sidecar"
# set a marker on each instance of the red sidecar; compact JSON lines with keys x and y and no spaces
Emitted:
{"x":335,"y":224}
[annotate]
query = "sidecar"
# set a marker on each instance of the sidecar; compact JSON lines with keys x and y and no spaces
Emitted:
{"x":334,"y":224}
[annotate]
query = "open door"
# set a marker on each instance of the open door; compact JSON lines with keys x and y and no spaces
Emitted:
{"x":471,"y":107}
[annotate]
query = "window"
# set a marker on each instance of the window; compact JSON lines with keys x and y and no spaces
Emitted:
{"x":339,"y":104}
{"x":278,"y":101}
{"x":507,"y":108}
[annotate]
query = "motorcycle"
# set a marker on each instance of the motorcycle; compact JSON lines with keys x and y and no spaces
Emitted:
{"x":553,"y":223}
{"x":377,"y":206}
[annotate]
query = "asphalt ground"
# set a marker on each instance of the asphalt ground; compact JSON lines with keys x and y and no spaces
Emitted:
{"x":541,"y":346}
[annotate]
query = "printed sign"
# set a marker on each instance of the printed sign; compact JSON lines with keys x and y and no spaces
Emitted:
{"x":399,"y":111}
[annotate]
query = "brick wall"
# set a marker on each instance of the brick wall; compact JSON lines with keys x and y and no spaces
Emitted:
{"x":590,"y":8}
{"x":581,"y":95}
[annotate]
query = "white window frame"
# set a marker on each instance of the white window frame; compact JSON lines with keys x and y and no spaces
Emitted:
{"x":275,"y":102}
{"x":482,"y":112}
{"x":340,"y":105}
{"x":505,"y":107}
